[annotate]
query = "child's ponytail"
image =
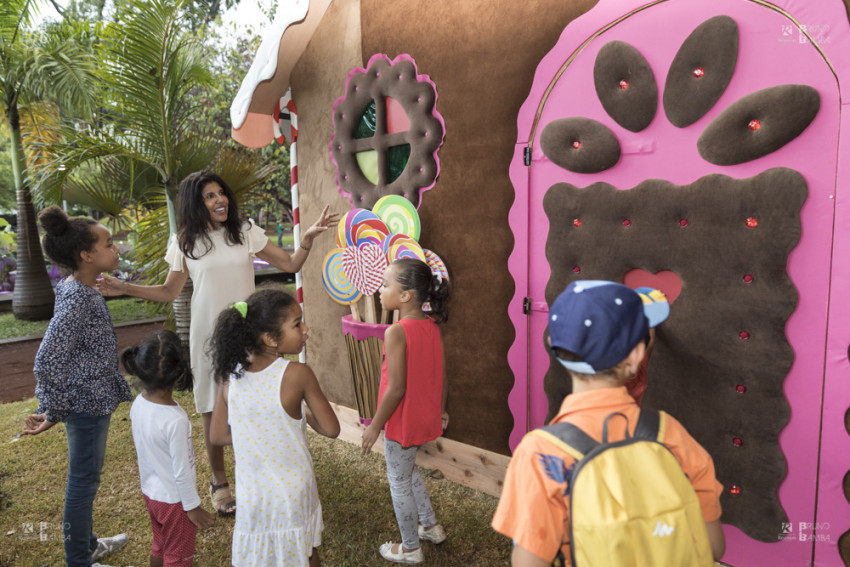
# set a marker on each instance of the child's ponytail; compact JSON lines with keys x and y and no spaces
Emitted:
{"x":416,"y":275}
{"x":230,"y":343}
{"x":159,"y":362}
{"x":439,"y":298}
{"x":128,"y":359}
{"x":66,"y":237}
{"x":239,"y":328}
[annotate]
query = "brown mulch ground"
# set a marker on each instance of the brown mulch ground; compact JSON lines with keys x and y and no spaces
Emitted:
{"x":17,"y":356}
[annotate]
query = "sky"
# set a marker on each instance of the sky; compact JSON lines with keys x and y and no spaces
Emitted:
{"x":246,"y":14}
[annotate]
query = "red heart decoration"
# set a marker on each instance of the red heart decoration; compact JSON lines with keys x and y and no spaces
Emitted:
{"x":665,"y":281}
{"x":365,"y":267}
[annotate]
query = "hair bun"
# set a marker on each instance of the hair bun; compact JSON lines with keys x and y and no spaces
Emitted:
{"x":54,"y":220}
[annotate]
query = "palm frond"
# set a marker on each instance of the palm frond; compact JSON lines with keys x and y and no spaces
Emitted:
{"x":15,"y":17}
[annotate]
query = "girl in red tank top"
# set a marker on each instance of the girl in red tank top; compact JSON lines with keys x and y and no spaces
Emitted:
{"x":411,"y":399}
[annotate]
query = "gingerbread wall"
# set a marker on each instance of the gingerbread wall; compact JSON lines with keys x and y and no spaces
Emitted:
{"x":481,"y":55}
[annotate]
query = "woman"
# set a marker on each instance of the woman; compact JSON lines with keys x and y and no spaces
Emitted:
{"x":216,"y":248}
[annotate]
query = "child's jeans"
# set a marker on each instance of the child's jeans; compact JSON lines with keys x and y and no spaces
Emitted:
{"x":86,"y":449}
{"x":410,"y":496}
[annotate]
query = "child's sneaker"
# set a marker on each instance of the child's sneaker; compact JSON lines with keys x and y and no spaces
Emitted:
{"x":401,"y":556}
{"x":106,"y":545}
{"x":435,"y":535}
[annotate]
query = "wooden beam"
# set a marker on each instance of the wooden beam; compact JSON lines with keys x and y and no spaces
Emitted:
{"x":460,"y":463}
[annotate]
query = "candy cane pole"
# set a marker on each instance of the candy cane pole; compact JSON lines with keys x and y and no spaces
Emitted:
{"x":296,"y":211}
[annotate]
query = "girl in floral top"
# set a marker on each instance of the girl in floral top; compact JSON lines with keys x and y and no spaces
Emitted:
{"x":77,"y":371}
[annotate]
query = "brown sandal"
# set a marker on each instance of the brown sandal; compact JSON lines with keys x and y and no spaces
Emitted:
{"x":223,"y":501}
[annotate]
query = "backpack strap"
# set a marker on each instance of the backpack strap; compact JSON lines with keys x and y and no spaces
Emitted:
{"x":651,"y":425}
{"x":569,"y":438}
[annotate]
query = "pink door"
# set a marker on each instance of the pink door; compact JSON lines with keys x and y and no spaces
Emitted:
{"x":727,"y":177}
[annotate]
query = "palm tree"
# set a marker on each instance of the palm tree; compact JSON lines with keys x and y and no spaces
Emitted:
{"x":49,"y":67}
{"x":147,"y":138}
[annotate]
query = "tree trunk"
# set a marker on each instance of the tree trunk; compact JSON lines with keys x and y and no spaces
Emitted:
{"x":182,"y":305}
{"x":183,"y":313}
{"x":33,"y":296}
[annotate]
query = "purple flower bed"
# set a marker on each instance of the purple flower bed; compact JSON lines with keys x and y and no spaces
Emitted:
{"x":126,"y":271}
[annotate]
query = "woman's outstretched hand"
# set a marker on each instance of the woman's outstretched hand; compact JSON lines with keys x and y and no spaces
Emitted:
{"x":109,"y":286}
{"x":323,"y":223}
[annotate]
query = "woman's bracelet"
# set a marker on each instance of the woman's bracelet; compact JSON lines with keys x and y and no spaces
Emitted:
{"x":304,"y":247}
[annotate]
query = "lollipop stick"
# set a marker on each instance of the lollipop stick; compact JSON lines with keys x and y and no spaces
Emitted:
{"x":370,"y":316}
{"x":395,"y":315}
{"x":355,"y":312}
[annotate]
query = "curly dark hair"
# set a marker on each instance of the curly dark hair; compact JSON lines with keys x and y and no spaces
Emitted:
{"x":159,"y":362}
{"x":235,"y":337}
{"x":194,"y":218}
{"x":415,"y":275}
{"x":66,"y":237}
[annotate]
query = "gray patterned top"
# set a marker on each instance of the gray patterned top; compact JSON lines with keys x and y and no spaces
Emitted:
{"x":77,"y":362}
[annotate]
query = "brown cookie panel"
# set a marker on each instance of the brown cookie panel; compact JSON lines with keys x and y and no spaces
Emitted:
{"x":758,"y":124}
{"x":701,"y":70}
{"x":625,"y":85}
{"x":724,"y":330}
{"x":580,"y":144}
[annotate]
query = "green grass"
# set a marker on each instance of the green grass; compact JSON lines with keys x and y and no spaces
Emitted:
{"x":122,"y":311}
{"x":353,"y":490}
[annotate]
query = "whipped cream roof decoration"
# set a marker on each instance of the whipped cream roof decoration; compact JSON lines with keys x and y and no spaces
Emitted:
{"x":253,"y":108}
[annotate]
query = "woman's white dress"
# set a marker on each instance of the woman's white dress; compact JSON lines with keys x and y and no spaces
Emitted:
{"x":222,"y":276}
{"x":279,"y":519}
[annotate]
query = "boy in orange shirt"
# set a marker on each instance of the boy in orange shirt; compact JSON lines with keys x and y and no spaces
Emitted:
{"x":596,"y":331}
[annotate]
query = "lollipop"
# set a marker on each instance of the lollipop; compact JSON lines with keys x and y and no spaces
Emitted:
{"x":370,"y":236}
{"x":399,"y":214}
{"x":404,"y":247}
{"x":365,"y":267}
{"x":371,"y":231}
{"x":343,"y":229}
{"x":438,"y":268}
{"x":337,"y":283}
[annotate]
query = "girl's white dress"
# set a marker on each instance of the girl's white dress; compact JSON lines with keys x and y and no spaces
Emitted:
{"x":279,"y":517}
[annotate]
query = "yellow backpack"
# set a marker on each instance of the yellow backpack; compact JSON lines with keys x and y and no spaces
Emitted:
{"x":630,"y":501}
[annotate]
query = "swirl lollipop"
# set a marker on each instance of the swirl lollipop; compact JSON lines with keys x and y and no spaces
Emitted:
{"x":346,"y":222}
{"x":399,"y":214}
{"x":370,"y":236}
{"x":405,"y":248}
{"x":372,"y":231}
{"x":337,"y":283}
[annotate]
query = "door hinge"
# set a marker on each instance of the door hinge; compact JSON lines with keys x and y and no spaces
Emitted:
{"x":526,"y":305}
{"x":526,"y":156}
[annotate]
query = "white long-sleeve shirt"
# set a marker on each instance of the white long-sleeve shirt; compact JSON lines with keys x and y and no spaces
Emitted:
{"x":163,"y":438}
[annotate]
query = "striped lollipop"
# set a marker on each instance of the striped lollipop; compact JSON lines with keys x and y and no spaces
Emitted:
{"x":337,"y":283}
{"x":370,"y":231}
{"x":365,"y":267}
{"x":403,"y":247}
{"x":399,"y":214}
{"x":436,"y":264}
{"x":344,"y":230}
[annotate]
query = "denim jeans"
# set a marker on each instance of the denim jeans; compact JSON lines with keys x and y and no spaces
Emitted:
{"x":86,"y":449}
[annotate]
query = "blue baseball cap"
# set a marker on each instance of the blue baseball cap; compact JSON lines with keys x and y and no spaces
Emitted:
{"x":600,"y":321}
{"x":655,"y":305}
